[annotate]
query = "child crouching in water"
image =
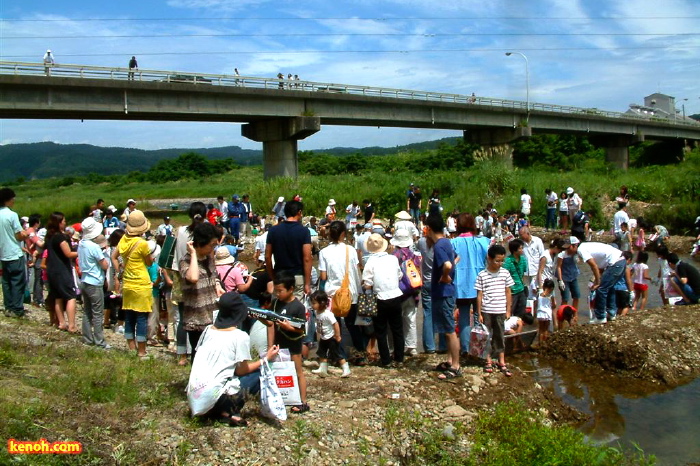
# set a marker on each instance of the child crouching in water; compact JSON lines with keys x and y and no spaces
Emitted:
{"x":545,"y":304}
{"x":328,"y":331}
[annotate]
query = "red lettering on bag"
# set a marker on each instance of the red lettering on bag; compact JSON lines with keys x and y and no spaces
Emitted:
{"x":285,"y":381}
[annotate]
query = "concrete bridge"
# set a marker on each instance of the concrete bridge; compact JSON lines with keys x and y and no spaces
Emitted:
{"x":278,"y":113}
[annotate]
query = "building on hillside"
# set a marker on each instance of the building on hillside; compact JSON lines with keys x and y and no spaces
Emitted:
{"x":659,"y":106}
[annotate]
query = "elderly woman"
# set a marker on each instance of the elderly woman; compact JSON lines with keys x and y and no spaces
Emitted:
{"x":136,"y":286}
{"x":200,"y":283}
{"x":382,"y":274}
{"x":471,"y":259}
{"x":223,"y":373}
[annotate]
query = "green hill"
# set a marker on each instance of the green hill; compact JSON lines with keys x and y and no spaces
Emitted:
{"x":48,"y":159}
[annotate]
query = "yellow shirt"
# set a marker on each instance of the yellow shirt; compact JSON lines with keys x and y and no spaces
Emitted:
{"x":136,"y":283}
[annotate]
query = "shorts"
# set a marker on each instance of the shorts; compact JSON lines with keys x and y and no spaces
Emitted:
{"x":641,"y":287}
{"x":328,"y":349}
{"x":443,"y":314}
{"x":571,"y":288}
{"x":622,"y":298}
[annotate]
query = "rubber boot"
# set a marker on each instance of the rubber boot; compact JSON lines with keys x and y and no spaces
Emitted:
{"x":346,"y":370}
{"x":322,"y":370}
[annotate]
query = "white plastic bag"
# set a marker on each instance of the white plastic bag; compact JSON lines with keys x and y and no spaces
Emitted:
{"x":478,"y":340}
{"x":271,"y":402}
{"x":286,"y":379}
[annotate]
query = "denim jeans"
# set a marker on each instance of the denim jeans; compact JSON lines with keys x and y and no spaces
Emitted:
{"x":466,"y":308}
{"x":415,"y":215}
{"x":428,"y":334}
{"x":38,"y":284}
{"x":551,"y":221}
{"x":605,"y":295}
{"x":232,"y":404}
{"x":14,"y":281}
{"x":135,"y":323}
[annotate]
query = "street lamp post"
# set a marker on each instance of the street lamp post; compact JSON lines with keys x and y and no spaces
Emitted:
{"x":527,"y":81}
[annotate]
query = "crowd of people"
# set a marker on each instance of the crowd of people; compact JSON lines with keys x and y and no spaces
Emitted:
{"x":461,"y":270}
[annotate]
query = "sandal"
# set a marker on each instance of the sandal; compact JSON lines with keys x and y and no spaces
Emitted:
{"x":302,"y":408}
{"x":488,"y":368}
{"x":443,"y":366}
{"x":503,"y":368}
{"x":450,"y":374}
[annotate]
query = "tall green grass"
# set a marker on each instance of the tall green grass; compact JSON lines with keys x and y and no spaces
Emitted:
{"x":675,"y":189}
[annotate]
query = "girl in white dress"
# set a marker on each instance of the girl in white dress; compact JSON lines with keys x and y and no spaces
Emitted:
{"x":545,"y":304}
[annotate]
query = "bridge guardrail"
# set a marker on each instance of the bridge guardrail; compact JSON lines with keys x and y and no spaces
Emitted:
{"x":203,"y":79}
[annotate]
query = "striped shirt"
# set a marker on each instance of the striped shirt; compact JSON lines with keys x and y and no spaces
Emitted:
{"x":493,"y":287}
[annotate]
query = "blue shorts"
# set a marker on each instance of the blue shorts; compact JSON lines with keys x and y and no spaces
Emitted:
{"x":571,"y":290}
{"x":443,"y":314}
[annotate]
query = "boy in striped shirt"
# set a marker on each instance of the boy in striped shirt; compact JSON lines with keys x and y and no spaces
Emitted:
{"x":493,"y":301}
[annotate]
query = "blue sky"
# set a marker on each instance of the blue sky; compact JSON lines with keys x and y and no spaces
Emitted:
{"x":588,"y":53}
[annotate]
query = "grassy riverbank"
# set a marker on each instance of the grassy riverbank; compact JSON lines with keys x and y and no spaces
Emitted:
{"x":669,"y":190}
{"x":127,"y":411}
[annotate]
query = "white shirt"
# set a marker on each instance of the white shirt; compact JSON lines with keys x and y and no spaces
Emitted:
{"x":351,"y":212}
{"x":382,"y":273}
{"x":604,"y":255}
{"x":260,"y":243}
{"x":331,"y":260}
{"x":525,"y":201}
{"x":223,"y":208}
{"x":324,"y":325}
{"x":549,"y":267}
{"x":407,"y":225}
{"x":619,"y":218}
{"x":552,"y":199}
{"x":212,"y":374}
{"x":360,"y":243}
{"x":533,"y":251}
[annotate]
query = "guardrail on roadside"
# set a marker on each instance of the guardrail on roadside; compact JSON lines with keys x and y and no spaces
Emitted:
{"x":124,"y":74}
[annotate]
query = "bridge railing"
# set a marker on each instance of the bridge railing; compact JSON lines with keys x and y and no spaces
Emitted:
{"x":98,"y":72}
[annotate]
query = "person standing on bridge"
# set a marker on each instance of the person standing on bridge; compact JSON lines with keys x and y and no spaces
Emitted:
{"x":48,"y":62}
{"x":133,"y":65}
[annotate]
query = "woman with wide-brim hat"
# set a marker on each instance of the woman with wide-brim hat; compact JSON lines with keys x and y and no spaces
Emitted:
{"x":381,"y":274}
{"x":136,"y":286}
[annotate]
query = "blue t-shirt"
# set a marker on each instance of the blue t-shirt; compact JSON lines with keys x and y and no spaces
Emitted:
{"x":10,"y":249}
{"x":89,"y":257}
{"x":472,"y":251}
{"x":287,"y":240}
{"x":442,"y":252}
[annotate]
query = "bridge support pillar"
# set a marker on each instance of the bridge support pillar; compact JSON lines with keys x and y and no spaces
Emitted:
{"x":496,"y":142}
{"x":617,"y":150}
{"x":279,"y":137}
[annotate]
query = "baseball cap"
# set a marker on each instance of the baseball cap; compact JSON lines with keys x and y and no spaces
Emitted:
{"x":574,"y":240}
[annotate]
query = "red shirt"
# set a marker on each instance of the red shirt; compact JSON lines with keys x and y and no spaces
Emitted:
{"x":213,"y":216}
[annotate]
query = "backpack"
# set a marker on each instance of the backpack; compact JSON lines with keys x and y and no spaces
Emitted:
{"x":411,"y":281}
{"x":342,"y":299}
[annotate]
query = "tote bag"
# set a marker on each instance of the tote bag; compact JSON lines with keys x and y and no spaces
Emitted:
{"x":271,"y":402}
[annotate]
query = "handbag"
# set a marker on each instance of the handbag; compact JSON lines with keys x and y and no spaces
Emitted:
{"x":287,"y":382}
{"x":478,"y":340}
{"x":367,"y":304}
{"x":342,"y":298}
{"x":271,"y":402}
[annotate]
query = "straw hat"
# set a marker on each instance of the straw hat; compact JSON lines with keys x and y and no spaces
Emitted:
{"x":137,"y":223}
{"x":402,"y":238}
{"x":223,"y":257}
{"x":403,"y":215}
{"x":376,"y":243}
{"x":91,"y":229}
